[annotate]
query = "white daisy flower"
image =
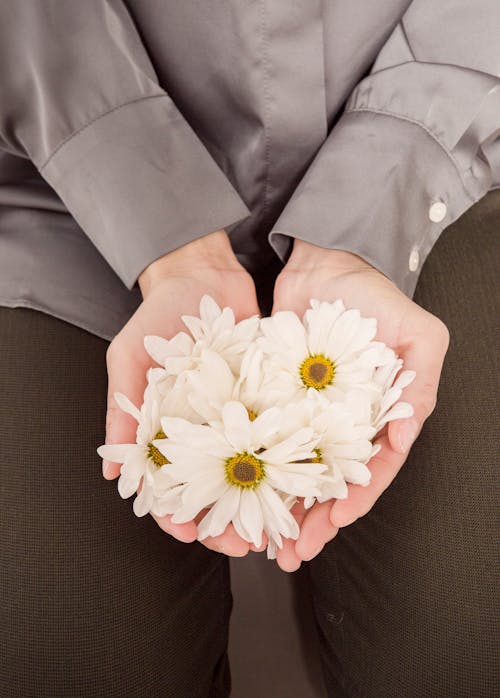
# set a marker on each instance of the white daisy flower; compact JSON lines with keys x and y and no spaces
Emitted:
{"x":345,"y":447}
{"x":332,"y":351}
{"x":143,"y":464}
{"x":213,"y":384}
{"x":240,"y":471}
{"x":343,"y":434}
{"x":215,"y":329}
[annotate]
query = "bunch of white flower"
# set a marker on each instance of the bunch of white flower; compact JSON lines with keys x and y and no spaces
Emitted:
{"x":244,"y":418}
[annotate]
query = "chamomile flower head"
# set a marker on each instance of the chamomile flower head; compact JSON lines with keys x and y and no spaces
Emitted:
{"x":215,"y":329}
{"x":240,"y":471}
{"x":343,"y":440}
{"x":213,"y":384}
{"x":143,"y":463}
{"x":345,"y":447}
{"x":331,"y":351}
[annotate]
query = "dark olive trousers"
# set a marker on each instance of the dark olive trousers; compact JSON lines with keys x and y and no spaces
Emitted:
{"x":96,"y":602}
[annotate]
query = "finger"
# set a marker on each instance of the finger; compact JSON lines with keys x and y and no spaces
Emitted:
{"x":425,"y":357}
{"x":261,"y":547}
{"x":228,"y":543}
{"x":316,"y":530}
{"x":127,"y":376}
{"x":286,"y":557}
{"x":384,"y":468}
{"x":185,"y":532}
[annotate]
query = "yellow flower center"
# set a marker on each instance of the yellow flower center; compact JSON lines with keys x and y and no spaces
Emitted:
{"x":251,"y":415}
{"x":154,"y":454}
{"x":319,"y":456}
{"x":244,"y":470}
{"x":317,"y":371}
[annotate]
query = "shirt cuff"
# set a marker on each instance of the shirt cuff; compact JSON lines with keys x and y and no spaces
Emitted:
{"x":382,"y":187}
{"x":140,"y":183}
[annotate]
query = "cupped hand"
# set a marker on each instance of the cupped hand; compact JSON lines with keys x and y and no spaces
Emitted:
{"x":420,"y":338}
{"x":173,"y":286}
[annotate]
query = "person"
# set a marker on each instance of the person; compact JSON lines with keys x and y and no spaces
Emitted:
{"x":265,"y":153}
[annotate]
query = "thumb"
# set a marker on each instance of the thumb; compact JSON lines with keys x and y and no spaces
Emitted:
{"x":425,"y":356}
{"x":126,"y":374}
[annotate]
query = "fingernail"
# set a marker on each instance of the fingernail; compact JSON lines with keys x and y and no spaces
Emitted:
{"x":407,"y":435}
{"x":105,"y":468}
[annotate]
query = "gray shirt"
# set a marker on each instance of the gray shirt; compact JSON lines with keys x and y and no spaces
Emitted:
{"x":130,"y":128}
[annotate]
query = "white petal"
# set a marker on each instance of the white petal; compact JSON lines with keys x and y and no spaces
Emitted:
{"x":333,"y":489}
{"x":319,"y":321}
{"x":194,"y":325}
{"x":276,"y":515}
{"x":222,"y":324}
{"x":308,"y":502}
{"x":404,"y":379}
{"x":266,"y":425}
{"x":135,"y":465}
{"x":200,"y":437}
{"x":209,"y":310}
{"x":355,"y":472}
{"x":168,"y":502}
{"x":127,"y":486}
{"x":361,"y":338}
{"x":116,"y":453}
{"x":202,"y":493}
{"x":271,"y":550}
{"x":251,"y":515}
{"x":402,"y":410}
{"x":237,"y":426}
{"x":292,"y":483}
{"x":157,"y":348}
{"x":187,"y":464}
{"x":285,"y":331}
{"x":127,"y":406}
{"x":240,"y":529}
{"x":216,"y":520}
{"x":143,"y":502}
{"x":358,"y":450}
{"x":297,"y":447}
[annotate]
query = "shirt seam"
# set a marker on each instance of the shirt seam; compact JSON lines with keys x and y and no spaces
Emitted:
{"x":430,"y":133}
{"x":92,"y":121}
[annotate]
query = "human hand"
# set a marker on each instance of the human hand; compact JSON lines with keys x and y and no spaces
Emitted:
{"x":421,"y":339}
{"x":173,"y":286}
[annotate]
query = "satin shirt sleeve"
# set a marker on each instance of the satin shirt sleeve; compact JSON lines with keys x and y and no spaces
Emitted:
{"x":410,"y":152}
{"x":80,"y":98}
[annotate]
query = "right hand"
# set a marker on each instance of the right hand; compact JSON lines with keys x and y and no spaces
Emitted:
{"x":173,"y":286}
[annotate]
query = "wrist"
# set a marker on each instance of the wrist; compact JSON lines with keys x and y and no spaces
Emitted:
{"x":212,"y":251}
{"x":306,"y":256}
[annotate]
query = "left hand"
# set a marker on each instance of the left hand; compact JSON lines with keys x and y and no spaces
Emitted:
{"x":421,"y":339}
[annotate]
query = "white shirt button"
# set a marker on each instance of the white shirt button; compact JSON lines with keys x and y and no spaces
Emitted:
{"x":414,"y":260}
{"x":437,"y":211}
